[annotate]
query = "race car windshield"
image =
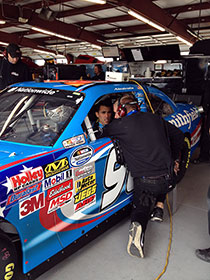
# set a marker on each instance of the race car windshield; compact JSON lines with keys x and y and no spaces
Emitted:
{"x":38,"y":119}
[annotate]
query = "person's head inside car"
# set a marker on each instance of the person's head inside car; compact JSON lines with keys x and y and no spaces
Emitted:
{"x":104,"y":112}
{"x":13,"y":53}
{"x":124,"y":106}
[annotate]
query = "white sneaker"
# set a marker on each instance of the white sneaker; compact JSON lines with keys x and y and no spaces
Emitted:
{"x":135,"y":245}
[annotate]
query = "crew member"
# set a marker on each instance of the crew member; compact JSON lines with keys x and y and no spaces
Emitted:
{"x":150,"y":146}
{"x":12,"y":69}
{"x":99,"y":74}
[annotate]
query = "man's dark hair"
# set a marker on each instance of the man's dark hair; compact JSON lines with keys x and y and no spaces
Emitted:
{"x":99,"y":67}
{"x":106,"y":102}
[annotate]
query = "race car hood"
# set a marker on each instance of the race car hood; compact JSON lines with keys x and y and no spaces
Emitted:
{"x":12,"y":152}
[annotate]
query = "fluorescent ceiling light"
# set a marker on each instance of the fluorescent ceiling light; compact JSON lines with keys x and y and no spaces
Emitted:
{"x":145,"y":20}
{"x":5,"y":44}
{"x":184,"y":41}
{"x":160,"y":62}
{"x":44,"y":52}
{"x":96,"y":46}
{"x":2,"y":21}
{"x":97,"y":1}
{"x":52,"y":34}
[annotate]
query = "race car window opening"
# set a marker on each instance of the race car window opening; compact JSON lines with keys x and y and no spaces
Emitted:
{"x":36,"y":119}
{"x":159,"y":106}
{"x":91,"y":119}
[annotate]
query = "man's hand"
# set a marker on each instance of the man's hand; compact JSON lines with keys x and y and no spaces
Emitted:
{"x":176,"y":166}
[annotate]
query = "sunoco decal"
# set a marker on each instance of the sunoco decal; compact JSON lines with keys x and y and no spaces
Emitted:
{"x":85,"y":192}
{"x":27,"y":177}
{"x":56,"y":167}
{"x":84,"y":171}
{"x":81,"y":156}
{"x":74,"y":141}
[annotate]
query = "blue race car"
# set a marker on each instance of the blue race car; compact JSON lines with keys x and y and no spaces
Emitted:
{"x":60,"y":186}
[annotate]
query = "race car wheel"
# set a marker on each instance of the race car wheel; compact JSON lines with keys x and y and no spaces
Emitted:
{"x":8,"y":260}
{"x":184,"y":159}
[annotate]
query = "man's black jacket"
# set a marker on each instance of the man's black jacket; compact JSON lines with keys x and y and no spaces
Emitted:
{"x":13,"y":73}
{"x":149,"y":143}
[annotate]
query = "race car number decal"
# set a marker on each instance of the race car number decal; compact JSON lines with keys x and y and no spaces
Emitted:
{"x":114,"y":179}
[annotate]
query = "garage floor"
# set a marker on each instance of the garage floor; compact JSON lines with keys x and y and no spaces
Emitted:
{"x":106,"y":258}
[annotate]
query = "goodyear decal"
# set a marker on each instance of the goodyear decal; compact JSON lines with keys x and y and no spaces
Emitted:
{"x":56,"y":167}
{"x":57,"y":179}
{"x":185,"y":119}
{"x":81,"y":156}
{"x":27,"y":177}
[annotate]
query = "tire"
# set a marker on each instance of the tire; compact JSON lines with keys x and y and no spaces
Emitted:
{"x":8,"y":259}
{"x":184,"y":159}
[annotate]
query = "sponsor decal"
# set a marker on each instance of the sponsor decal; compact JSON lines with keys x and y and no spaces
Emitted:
{"x":57,"y":179}
{"x":31,"y":205}
{"x":85,"y":192}
{"x":27,"y":177}
{"x":56,"y":167}
{"x":60,"y":189}
{"x":81,"y":156}
{"x":83,"y":171}
{"x":125,"y":88}
{"x":186,"y":118}
{"x":74,"y":141}
{"x":59,"y":201}
{"x":37,"y":90}
{"x":85,"y":182}
{"x":15,"y":197}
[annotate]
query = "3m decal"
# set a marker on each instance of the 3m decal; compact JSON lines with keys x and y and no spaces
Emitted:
{"x":59,"y":201}
{"x":114,"y":179}
{"x":74,"y":141}
{"x":83,"y":171}
{"x":31,"y":205}
{"x":57,"y":179}
{"x":81,"y":156}
{"x":85,"y":182}
{"x":27,"y":177}
{"x":60,"y":189}
{"x":56,"y":167}
{"x":13,"y":198}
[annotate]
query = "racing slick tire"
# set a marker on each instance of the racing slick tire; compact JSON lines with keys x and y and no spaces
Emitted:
{"x":184,"y":159}
{"x":8,"y":259}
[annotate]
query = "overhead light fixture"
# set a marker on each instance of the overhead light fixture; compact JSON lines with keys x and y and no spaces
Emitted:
{"x":184,"y":41}
{"x":4,"y":44}
{"x":145,"y":20}
{"x":52,"y":34}
{"x":47,"y":14}
{"x":2,"y":21}
{"x":44,"y":52}
{"x":97,"y":1}
{"x":194,"y":35}
{"x":160,"y":62}
{"x":96,"y":46}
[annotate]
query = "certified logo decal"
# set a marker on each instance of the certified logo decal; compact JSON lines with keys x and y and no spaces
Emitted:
{"x":81,"y":156}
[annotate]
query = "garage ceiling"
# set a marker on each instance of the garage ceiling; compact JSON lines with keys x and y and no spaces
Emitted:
{"x":82,"y":27}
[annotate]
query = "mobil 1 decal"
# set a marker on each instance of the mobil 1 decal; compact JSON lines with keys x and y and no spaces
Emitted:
{"x":81,"y":156}
{"x":85,"y":192}
{"x":115,"y":176}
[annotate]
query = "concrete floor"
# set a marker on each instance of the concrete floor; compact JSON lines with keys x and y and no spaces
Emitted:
{"x":106,"y":258}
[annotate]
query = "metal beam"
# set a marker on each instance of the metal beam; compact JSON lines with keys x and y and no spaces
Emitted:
{"x":158,"y":16}
{"x":188,"y":8}
{"x":56,"y":26}
{"x":105,"y":20}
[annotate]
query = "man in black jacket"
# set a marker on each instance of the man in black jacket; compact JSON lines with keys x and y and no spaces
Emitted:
{"x":12,"y":69}
{"x":150,"y":147}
